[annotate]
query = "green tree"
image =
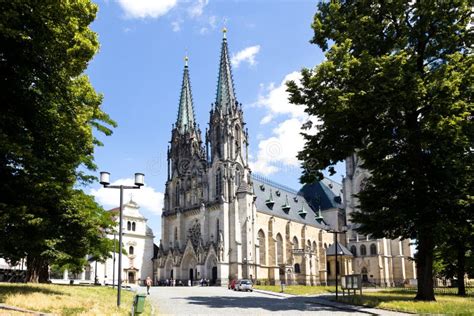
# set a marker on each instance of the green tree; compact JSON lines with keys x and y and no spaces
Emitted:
{"x":396,"y":88}
{"x":454,"y":258}
{"x":49,"y":112}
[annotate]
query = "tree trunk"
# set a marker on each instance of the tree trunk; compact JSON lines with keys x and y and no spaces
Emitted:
{"x":461,"y":252}
{"x":424,"y":267}
{"x":37,"y":269}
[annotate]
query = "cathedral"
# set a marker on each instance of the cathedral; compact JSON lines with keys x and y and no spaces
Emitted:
{"x":221,"y":222}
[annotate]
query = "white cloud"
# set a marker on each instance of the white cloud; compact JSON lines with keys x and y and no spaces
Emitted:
{"x":146,"y":8}
{"x":210,"y":23}
{"x":197,"y":8}
{"x":276,"y":100}
{"x":212,"y":20}
{"x":280,"y":149}
{"x":176,"y":25}
{"x":246,"y":55}
{"x":146,"y":197}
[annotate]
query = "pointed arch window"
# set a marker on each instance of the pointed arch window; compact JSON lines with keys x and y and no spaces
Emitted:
{"x":279,"y":246}
{"x":261,"y":244}
{"x":354,"y":250}
{"x":237,"y":179}
{"x":363,"y":250}
{"x":177,"y":195}
{"x":238,"y":140}
{"x":297,"y":268}
{"x":295,"y":243}
{"x":373,"y":249}
{"x":218,"y":183}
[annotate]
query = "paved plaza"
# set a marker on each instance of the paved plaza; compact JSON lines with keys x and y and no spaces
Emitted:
{"x":221,"y":301}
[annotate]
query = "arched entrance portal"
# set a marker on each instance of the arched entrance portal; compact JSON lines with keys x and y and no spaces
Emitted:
{"x":168,"y":270}
{"x":211,"y":273}
{"x":131,"y":277}
{"x":364,"y":275}
{"x":214,"y":275}
{"x":188,"y":267}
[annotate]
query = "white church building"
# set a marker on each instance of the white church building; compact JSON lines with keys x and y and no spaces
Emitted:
{"x":137,"y":261}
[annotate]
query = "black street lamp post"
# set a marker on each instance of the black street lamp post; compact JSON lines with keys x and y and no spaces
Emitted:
{"x":105,"y":181}
{"x":113,"y":265}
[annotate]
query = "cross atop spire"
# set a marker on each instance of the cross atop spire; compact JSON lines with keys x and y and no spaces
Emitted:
{"x":185,"y":119}
{"x":225,"y":97}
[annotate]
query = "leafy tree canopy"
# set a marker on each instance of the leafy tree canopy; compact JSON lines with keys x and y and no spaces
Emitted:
{"x":49,"y":111}
{"x":396,"y":89}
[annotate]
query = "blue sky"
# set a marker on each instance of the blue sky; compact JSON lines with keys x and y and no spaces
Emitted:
{"x":139,"y":71}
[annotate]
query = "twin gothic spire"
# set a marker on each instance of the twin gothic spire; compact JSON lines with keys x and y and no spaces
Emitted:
{"x":225,"y":97}
{"x":186,"y":120}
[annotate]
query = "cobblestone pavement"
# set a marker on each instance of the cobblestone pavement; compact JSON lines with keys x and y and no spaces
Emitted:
{"x":221,"y":301}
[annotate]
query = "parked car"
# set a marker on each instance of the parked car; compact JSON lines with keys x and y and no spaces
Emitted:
{"x":244,"y":285}
{"x":231,"y":285}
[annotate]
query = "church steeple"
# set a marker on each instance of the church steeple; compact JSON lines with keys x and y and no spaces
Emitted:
{"x":185,"y":155}
{"x":186,"y":119}
{"x":227,"y":135}
{"x":225,"y":97}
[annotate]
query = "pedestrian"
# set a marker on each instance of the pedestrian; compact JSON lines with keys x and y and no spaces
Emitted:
{"x":148,"y":284}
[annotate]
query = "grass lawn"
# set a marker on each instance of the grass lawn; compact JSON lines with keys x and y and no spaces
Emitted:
{"x":297,"y":289}
{"x":402,"y":301}
{"x":66,"y":299}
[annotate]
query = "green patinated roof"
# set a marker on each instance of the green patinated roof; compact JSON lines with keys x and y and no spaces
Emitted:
{"x":185,"y":119}
{"x":225,"y":86}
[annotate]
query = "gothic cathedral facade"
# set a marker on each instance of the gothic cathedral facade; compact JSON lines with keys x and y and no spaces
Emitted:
{"x":221,"y":222}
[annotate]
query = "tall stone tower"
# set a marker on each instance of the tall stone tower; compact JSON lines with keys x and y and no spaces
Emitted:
{"x":208,"y":220}
{"x":187,"y":182}
{"x":227,"y":150}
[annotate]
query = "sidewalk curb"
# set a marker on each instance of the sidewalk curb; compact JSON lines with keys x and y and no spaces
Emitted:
{"x":22,"y":310}
{"x":324,"y":301}
{"x":282,"y":295}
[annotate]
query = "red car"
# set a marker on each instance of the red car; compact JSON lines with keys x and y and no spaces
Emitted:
{"x":231,"y":285}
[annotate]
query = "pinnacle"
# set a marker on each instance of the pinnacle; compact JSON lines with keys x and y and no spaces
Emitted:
{"x":186,"y":118}
{"x":225,"y":97}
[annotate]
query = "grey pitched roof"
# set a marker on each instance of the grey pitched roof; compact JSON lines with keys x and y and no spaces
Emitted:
{"x":341,"y":250}
{"x":325,"y":194}
{"x":280,"y":196}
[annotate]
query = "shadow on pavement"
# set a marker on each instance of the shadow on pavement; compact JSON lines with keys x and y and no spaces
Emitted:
{"x":265,"y":303}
